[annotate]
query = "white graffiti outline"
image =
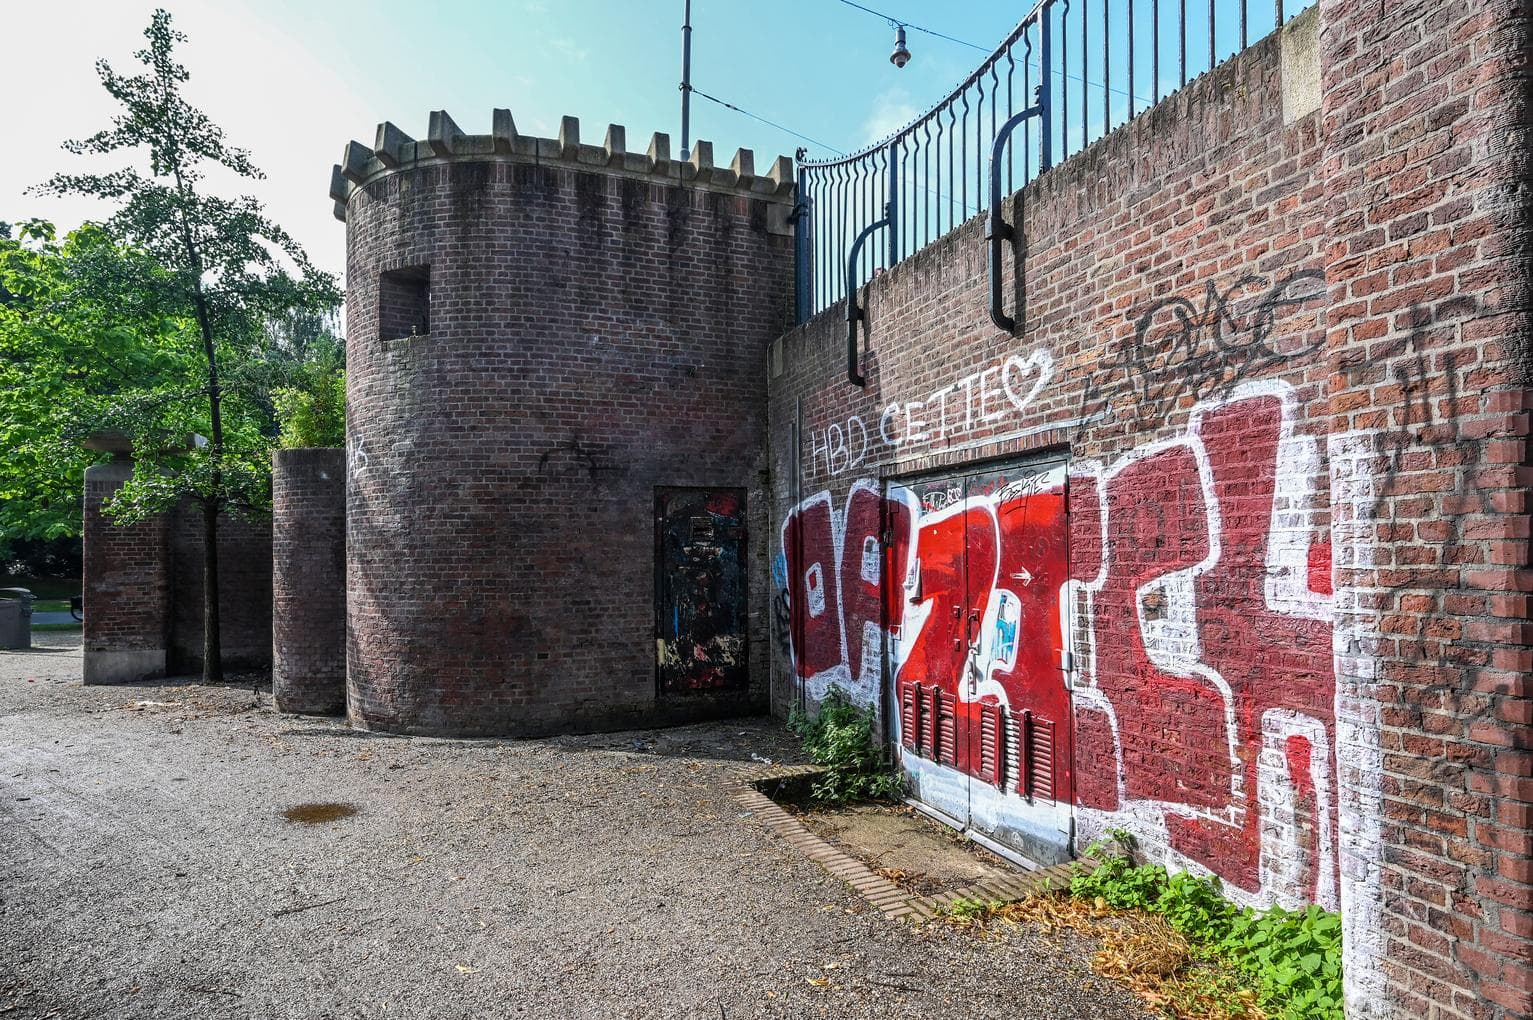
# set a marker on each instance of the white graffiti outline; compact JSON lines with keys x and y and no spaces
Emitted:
{"x":864,"y":690}
{"x":1291,"y":531}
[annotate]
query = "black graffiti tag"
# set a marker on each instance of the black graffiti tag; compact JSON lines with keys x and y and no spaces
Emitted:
{"x":1190,"y":349}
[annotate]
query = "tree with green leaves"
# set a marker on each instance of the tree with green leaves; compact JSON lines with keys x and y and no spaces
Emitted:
{"x":226,"y":267}
{"x":76,"y":338}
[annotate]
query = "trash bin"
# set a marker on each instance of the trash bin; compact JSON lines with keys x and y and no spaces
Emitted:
{"x":16,"y":617}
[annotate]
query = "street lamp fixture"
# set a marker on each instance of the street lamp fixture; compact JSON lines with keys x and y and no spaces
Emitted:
{"x":901,"y":55}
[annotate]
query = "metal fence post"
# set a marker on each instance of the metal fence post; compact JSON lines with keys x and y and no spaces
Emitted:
{"x":894,"y":203}
{"x":802,"y":224}
{"x":1046,"y":89}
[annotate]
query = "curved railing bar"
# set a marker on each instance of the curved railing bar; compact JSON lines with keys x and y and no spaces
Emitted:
{"x":998,"y":230}
{"x":952,"y":97}
{"x":854,"y":311}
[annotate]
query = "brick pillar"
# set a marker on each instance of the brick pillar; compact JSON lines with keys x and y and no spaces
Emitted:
{"x":309,"y":580}
{"x":126,"y":586}
{"x":1425,"y":165}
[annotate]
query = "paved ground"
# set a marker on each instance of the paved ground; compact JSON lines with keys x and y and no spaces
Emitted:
{"x":928,"y":857}
{"x":147,"y":870}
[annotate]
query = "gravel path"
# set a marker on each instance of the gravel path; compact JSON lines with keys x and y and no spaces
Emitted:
{"x":147,"y":870}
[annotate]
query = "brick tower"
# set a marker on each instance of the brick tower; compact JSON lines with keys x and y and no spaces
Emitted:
{"x":556,"y":412}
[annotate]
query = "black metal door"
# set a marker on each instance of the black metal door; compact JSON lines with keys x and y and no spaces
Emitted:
{"x":700,"y":590}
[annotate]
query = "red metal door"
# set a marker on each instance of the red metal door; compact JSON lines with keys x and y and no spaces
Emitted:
{"x":941,"y":584}
{"x":1018,"y":698}
{"x":979,"y":653}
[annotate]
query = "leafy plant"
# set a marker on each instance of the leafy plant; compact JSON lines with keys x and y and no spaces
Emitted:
{"x":219,"y":268}
{"x":1196,"y":907}
{"x":77,"y":338}
{"x":964,"y":909}
{"x":840,"y":737}
{"x":1293,"y":957}
{"x":1115,"y":880}
{"x":313,"y":415}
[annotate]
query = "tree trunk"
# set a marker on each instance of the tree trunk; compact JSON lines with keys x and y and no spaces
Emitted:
{"x":212,"y":649}
{"x":212,"y":652}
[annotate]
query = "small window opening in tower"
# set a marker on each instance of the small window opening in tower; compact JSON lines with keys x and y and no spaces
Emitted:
{"x":404,"y":303}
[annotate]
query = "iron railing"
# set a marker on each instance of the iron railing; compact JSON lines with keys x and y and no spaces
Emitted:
{"x":1107,"y":62}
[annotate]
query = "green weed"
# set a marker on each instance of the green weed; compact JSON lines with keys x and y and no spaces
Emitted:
{"x":840,"y":737}
{"x":1293,"y":957}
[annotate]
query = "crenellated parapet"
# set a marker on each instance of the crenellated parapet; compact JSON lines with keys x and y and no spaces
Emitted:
{"x":445,"y":142}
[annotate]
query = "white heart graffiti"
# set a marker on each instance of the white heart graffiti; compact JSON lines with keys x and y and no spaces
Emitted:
{"x":958,"y":411}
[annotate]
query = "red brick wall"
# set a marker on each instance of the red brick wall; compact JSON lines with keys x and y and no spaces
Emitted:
{"x":126,"y":586}
{"x":309,"y":580}
{"x":1286,"y":365}
{"x":1426,"y":172}
{"x":142,"y":589}
{"x":592,"y":337}
{"x":244,"y":588}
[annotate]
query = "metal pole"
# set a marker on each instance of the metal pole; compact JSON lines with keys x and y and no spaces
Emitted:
{"x":686,"y":84}
{"x":801,"y":253}
{"x":1045,"y":99}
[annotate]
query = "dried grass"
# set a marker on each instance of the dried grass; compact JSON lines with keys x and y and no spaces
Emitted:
{"x":917,"y":882}
{"x":1140,"y":950}
{"x":1145,"y":947}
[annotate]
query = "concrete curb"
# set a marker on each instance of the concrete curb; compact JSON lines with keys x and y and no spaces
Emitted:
{"x":889,"y":899}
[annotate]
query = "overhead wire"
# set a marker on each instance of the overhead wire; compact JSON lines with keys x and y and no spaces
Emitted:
{"x":770,"y":123}
{"x":891,"y":19}
{"x":803,"y":137}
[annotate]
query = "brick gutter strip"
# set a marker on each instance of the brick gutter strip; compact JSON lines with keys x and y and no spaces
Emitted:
{"x":894,"y":903}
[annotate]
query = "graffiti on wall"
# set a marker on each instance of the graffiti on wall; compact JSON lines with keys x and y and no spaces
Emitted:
{"x":1206,"y":701}
{"x":700,"y":590}
{"x":1187,"y":349}
{"x":1196,"y":599}
{"x":980,"y":401}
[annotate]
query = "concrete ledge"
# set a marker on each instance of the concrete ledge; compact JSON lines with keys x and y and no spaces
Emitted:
{"x":104,"y":666}
{"x":1300,"y":55}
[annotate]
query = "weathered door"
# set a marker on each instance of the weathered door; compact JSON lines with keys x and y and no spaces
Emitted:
{"x":700,"y":590}
{"x":1018,"y":696}
{"x":940,"y":587}
{"x":979,"y":654}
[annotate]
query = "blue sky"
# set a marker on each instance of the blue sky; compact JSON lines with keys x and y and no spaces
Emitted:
{"x":292,"y":80}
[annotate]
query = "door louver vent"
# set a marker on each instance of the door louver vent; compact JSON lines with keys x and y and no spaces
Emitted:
{"x":1041,"y":758}
{"x":992,"y":744}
